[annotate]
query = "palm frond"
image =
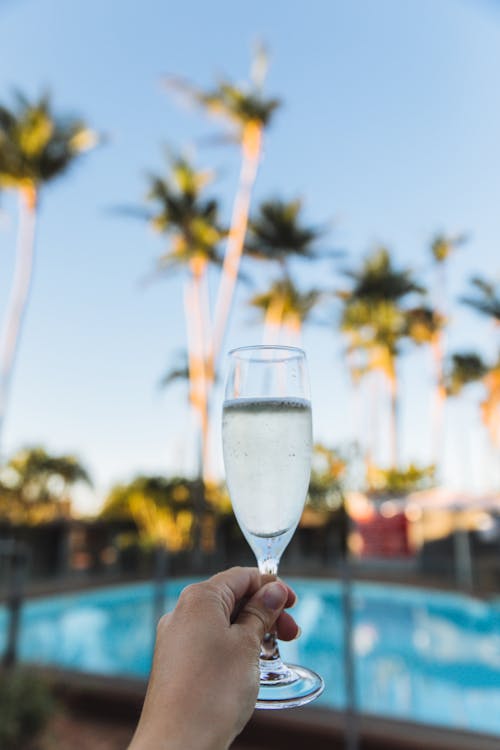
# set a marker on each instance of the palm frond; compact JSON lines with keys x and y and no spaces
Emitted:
{"x":37,"y":145}
{"x":293,"y":301}
{"x":178,"y":372}
{"x":180,"y":210}
{"x":443,"y":245}
{"x":424,"y":324}
{"x":240,"y":105}
{"x":378,"y":279}
{"x":463,"y":369}
{"x":277,"y":234}
{"x":486,"y":299}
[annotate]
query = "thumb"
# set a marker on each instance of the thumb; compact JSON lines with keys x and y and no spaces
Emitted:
{"x":261,"y":611}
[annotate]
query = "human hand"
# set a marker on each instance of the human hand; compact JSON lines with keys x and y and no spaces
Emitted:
{"x":205,"y":676}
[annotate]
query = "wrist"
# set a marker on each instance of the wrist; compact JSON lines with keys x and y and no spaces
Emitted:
{"x":174,"y":730}
{"x":174,"y":739}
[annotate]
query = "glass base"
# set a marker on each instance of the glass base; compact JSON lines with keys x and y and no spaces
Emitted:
{"x":301,"y":686}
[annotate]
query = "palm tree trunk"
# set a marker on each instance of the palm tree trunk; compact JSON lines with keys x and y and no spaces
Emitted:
{"x":197,"y":356}
{"x":17,"y":304}
{"x":272,"y":322}
{"x":438,"y":347}
{"x":252,"y":145}
{"x":439,"y":400}
{"x":209,"y":375}
{"x":293,"y":326}
{"x":200,"y":363}
{"x":188,"y":307}
{"x":393,"y":421}
{"x":198,"y":384}
{"x":374,"y":421}
{"x":490,"y":406}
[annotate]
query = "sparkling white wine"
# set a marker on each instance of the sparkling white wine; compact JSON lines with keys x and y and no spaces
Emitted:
{"x":267,"y":445}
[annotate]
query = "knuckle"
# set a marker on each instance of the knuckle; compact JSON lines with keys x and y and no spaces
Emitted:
{"x":190,"y":592}
{"x":226,"y":597}
{"x":256,"y":613}
{"x":162,"y":624}
{"x":190,"y":595}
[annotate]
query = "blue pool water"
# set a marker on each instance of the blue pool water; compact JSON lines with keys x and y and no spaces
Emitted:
{"x":421,"y":655}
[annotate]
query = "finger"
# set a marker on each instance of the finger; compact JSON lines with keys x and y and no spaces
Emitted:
{"x":287,"y":628}
{"x":290,"y":602}
{"x":292,"y":596}
{"x":235,"y":584}
{"x":261,"y":611}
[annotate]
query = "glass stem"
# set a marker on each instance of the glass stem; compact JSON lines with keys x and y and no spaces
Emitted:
{"x":272,"y":669}
{"x":269,"y":650}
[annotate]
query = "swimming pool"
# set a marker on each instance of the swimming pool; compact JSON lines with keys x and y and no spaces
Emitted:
{"x":420,"y":655}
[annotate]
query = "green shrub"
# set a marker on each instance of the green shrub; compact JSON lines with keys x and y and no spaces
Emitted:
{"x":26,"y":705}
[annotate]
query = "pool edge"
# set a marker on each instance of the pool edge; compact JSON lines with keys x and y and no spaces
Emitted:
{"x":113,"y":697}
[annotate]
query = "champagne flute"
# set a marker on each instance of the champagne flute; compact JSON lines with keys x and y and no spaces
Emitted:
{"x":267,"y":445}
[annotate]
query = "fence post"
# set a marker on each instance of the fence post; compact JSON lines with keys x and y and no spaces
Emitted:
{"x":351,"y":714}
{"x":16,"y":555}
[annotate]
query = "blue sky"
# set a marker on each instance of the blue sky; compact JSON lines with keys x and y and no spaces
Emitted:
{"x":390,"y":129}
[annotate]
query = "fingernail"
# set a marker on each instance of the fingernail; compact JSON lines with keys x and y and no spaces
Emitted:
{"x":299,"y":633}
{"x":274,"y":596}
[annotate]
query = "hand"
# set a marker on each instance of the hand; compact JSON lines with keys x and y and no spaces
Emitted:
{"x":205,"y":676}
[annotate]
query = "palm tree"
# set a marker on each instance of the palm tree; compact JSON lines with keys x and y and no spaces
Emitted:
{"x":285,"y":309}
{"x":190,"y":221}
{"x":36,"y":147}
{"x":278,"y":234}
{"x":374,"y":319}
{"x":248,"y":113}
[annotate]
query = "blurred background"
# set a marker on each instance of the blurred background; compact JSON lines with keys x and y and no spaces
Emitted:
{"x":177,"y":180}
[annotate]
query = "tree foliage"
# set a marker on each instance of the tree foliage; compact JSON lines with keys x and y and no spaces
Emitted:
{"x":328,"y":475}
{"x":485,"y":298}
{"x":375,"y":316}
{"x":244,"y":107}
{"x":36,"y":486}
{"x":163,"y":509}
{"x":182,"y":212}
{"x":444,"y":245}
{"x":26,"y":706}
{"x":394,"y":481}
{"x":36,"y":145}
{"x":277,"y":233}
{"x":463,"y":369}
{"x":295,"y":305}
